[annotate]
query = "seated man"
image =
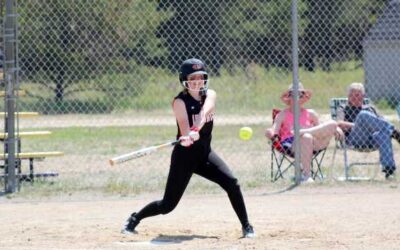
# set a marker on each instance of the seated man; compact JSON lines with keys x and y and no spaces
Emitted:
{"x":365,"y":128}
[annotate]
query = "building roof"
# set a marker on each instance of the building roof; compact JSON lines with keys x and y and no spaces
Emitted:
{"x":387,"y":27}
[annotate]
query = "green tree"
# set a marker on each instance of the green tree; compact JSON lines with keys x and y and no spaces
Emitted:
{"x":193,"y":31}
{"x":65,"y":42}
{"x":259,"y":31}
{"x":336,"y":29}
{"x":230,"y":32}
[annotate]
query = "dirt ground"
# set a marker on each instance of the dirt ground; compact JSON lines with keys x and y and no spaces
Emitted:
{"x":350,"y":216}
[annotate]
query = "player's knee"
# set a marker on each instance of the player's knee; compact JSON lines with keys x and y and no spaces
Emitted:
{"x":232,"y":185}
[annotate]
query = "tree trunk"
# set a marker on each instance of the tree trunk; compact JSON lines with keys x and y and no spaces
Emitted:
{"x":59,"y":91}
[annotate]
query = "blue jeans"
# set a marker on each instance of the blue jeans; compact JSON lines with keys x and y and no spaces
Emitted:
{"x":372,"y":131}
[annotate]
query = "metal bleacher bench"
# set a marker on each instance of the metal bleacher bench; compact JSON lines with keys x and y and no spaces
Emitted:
{"x":26,"y":134}
{"x":31,"y":156}
{"x":20,"y":92}
{"x":20,"y":155}
{"x":21,"y":114}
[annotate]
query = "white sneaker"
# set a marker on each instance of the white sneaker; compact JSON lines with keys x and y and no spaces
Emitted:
{"x":309,"y":180}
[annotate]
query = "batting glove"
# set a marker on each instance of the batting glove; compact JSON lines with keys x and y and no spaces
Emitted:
{"x":194,"y":133}
{"x":186,"y":140}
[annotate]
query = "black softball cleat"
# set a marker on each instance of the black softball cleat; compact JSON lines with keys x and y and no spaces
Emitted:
{"x":130,"y":225}
{"x":248,"y":231}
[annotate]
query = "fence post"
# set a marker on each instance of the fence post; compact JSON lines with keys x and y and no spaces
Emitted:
{"x":295,"y":61}
{"x":10,"y":73}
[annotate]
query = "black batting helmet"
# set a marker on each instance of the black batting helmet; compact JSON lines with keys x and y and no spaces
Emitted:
{"x":192,"y":66}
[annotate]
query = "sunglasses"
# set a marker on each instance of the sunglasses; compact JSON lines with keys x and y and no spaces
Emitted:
{"x":301,"y":94}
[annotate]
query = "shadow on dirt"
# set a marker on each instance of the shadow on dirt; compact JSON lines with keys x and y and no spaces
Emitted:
{"x":176,"y":239}
{"x":168,"y":240}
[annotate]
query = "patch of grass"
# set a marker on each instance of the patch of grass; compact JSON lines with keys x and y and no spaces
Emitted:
{"x":85,"y":169}
{"x":122,"y":187}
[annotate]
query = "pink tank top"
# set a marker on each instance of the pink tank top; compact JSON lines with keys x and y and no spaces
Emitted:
{"x":287,"y":126}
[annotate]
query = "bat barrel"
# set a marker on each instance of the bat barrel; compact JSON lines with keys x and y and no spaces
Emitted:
{"x":140,"y":153}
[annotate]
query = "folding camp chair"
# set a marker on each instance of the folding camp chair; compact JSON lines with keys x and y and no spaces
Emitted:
{"x":284,"y":160}
{"x":335,"y":103}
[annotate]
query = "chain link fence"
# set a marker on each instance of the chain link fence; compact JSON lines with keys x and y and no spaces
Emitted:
{"x":102,"y":75}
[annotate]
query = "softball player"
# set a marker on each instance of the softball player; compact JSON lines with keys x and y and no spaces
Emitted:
{"x":194,"y":110}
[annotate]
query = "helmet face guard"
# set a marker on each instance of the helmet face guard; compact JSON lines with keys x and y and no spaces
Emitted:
{"x":193,"y":66}
{"x":186,"y":84}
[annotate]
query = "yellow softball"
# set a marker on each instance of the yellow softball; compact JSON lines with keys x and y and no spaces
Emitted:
{"x":245,"y":133}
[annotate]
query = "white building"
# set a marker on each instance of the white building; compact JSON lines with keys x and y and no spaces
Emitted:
{"x":382,"y":55}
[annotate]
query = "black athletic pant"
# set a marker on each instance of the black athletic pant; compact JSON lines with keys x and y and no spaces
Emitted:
{"x":209,"y":165}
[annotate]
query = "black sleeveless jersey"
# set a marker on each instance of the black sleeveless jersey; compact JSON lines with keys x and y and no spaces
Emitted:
{"x":193,"y":108}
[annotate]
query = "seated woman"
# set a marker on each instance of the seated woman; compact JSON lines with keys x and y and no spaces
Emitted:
{"x":314,"y":136}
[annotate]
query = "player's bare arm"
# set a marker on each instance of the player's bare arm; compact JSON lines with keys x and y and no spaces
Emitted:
{"x":208,"y":109}
{"x":179,"y":109}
